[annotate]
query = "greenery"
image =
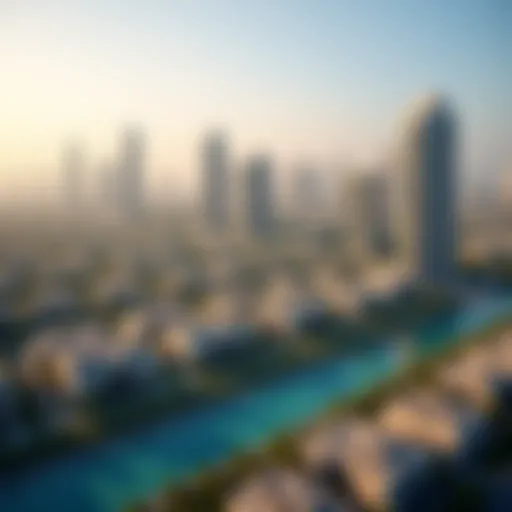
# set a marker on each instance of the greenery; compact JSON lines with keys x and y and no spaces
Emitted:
{"x":209,"y":490}
{"x":408,"y":310}
{"x":125,"y":407}
{"x":498,"y":270}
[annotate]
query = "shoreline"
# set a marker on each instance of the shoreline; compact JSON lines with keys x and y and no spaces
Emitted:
{"x":53,"y":447}
{"x":197,"y":463}
{"x":206,"y":489}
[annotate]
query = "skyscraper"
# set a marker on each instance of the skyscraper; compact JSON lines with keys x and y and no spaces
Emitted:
{"x":428,"y":191}
{"x":216,"y":185}
{"x":506,"y":190}
{"x":73,"y":177}
{"x":131,"y":170}
{"x":367,"y":213}
{"x":107,"y":189}
{"x":260,"y":196}
{"x":307,"y":195}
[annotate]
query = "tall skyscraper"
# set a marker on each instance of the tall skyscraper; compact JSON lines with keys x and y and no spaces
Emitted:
{"x":131,"y":170}
{"x":367,"y":211}
{"x":216,"y":183}
{"x":73,"y":177}
{"x":505,"y":179}
{"x":428,"y":191}
{"x":107,"y":189}
{"x":307,"y":195}
{"x":260,"y":196}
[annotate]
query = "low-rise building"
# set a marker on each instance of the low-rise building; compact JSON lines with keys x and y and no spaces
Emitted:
{"x":54,"y":307}
{"x":384,"y":472}
{"x":475,"y":376}
{"x":116,"y":294}
{"x":288,"y":309}
{"x":431,"y":419}
{"x":281,"y":490}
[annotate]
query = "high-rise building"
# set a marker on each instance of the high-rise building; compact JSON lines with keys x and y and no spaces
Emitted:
{"x":259,"y":196}
{"x":307,"y":195}
{"x":367,"y":210}
{"x":73,"y":177}
{"x":216,"y":183}
{"x":428,"y":219}
{"x":506,"y":189}
{"x":130,"y":182}
{"x":107,"y":187}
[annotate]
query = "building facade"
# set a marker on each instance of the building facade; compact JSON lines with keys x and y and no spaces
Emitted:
{"x":308,"y":200}
{"x":131,"y":174}
{"x":73,"y":177}
{"x":216,"y":183}
{"x":428,"y":192}
{"x":259,"y":197}
{"x":367,"y":211}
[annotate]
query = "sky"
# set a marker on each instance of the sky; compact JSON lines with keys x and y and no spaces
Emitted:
{"x":318,"y":80}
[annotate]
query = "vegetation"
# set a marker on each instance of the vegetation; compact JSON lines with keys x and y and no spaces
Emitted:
{"x":409,"y":309}
{"x":497,"y":270}
{"x":124,"y":406}
{"x":209,"y":490}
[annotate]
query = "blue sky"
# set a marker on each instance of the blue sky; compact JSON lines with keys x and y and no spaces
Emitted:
{"x":319,"y":79}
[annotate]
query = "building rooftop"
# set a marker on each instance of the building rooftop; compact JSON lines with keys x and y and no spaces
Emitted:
{"x":279,"y":490}
{"x":431,"y":419}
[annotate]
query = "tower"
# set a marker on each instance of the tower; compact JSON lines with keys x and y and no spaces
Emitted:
{"x":259,"y":196}
{"x":215,"y":183}
{"x":428,"y":191}
{"x":131,"y":170}
{"x":73,"y":177}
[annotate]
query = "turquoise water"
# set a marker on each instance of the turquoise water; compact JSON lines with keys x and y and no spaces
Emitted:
{"x":115,"y":473}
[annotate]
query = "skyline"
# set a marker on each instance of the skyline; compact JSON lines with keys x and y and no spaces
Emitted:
{"x":324,"y":82}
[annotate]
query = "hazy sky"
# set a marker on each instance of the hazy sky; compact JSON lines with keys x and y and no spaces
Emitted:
{"x":319,"y":79}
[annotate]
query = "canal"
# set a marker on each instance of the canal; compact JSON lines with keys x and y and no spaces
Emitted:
{"x":117,"y":472}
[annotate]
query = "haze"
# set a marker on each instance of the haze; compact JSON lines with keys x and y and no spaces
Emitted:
{"x":323,"y":80}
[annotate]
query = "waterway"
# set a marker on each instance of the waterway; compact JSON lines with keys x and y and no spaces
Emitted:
{"x":120,"y":471}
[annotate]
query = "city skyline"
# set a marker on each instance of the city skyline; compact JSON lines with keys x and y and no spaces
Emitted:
{"x":256,"y":254}
{"x":327,"y":90}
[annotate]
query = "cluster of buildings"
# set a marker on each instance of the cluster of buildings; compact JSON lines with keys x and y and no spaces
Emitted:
{"x":227,"y":204}
{"x":122,"y":181}
{"x":410,"y":210}
{"x":71,"y":330}
{"x":442,"y":447}
{"x":155,"y":319}
{"x":121,"y":318}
